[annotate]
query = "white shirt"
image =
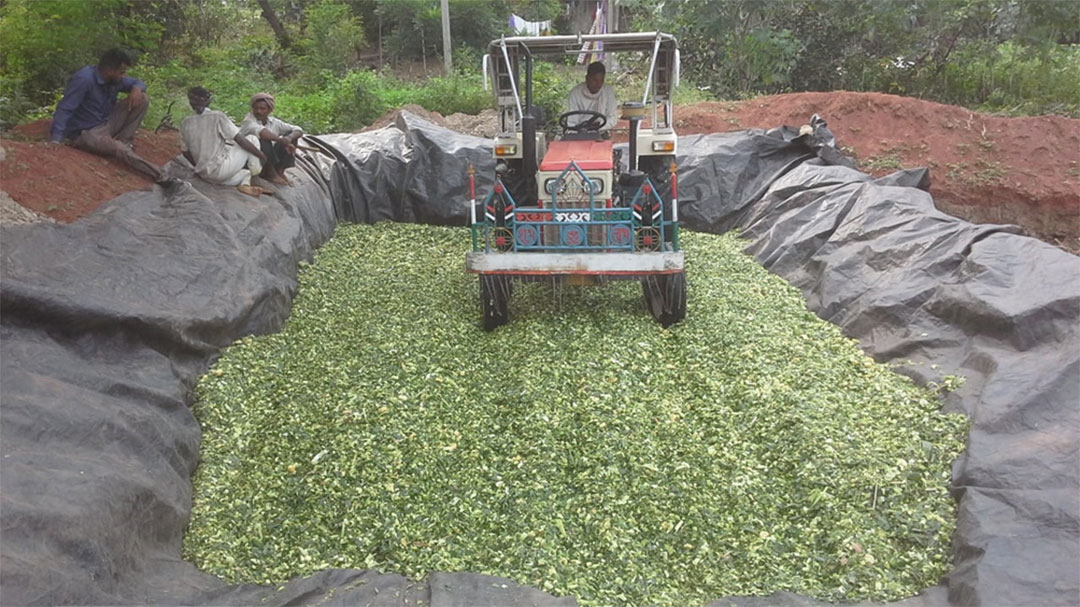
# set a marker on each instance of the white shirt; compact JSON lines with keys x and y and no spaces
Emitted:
{"x":207,"y":136}
{"x":252,"y":126}
{"x":603,"y":102}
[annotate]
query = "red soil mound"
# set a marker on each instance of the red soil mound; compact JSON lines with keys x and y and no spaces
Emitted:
{"x":983,"y":168}
{"x":65,"y":183}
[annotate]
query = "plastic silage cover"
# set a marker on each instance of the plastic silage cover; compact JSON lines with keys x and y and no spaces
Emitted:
{"x":106,"y":324}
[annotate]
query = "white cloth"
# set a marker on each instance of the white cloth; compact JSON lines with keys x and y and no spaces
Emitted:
{"x":210,"y":139}
{"x":603,"y":102}
{"x":251,"y":126}
{"x":529,"y":28}
{"x":238,"y":166}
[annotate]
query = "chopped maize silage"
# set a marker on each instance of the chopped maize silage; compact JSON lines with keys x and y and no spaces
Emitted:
{"x":581,"y":448}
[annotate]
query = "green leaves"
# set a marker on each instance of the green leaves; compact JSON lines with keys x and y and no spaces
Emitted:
{"x":580,"y":449}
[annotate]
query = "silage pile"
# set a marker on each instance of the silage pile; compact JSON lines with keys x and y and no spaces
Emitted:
{"x":581,"y":449}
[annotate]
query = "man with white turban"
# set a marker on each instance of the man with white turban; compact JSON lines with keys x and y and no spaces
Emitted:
{"x":277,"y":138}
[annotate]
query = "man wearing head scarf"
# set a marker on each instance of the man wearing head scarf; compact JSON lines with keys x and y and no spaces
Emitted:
{"x":277,"y":139}
{"x":217,"y":149}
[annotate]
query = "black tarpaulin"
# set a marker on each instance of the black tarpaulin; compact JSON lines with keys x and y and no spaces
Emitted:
{"x":106,"y":324}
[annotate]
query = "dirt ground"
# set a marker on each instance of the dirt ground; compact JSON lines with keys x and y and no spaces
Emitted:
{"x":986,"y":169}
{"x":64,"y":183}
{"x":983,"y":168}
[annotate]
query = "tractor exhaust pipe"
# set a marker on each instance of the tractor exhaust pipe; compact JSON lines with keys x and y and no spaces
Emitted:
{"x":635,"y":122}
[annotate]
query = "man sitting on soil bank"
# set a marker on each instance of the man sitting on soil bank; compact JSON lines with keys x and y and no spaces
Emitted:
{"x":89,"y":116}
{"x":277,"y":139}
{"x":220,"y":153}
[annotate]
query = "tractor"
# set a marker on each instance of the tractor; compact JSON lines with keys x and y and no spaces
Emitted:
{"x":562,"y":208}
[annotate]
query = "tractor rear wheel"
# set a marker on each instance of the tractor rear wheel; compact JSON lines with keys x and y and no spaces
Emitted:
{"x":495,"y":291}
{"x":665,"y":297}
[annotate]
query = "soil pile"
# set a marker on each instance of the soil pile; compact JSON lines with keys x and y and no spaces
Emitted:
{"x":64,"y":183}
{"x":983,"y":168}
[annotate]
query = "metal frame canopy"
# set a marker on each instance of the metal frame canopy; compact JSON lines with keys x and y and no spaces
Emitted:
{"x":505,"y":55}
{"x":615,"y":43}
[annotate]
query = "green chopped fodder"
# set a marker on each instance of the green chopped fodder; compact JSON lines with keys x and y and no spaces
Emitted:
{"x":581,"y":449}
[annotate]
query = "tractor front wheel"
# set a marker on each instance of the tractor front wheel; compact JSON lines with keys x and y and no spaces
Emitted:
{"x":495,"y":291}
{"x":665,"y":297}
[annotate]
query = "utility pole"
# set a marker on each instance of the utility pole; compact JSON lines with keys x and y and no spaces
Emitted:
{"x":447,"y":61}
{"x":613,"y":27}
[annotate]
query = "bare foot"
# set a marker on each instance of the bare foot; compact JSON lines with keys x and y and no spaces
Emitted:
{"x":279,"y":179}
{"x":250,"y":190}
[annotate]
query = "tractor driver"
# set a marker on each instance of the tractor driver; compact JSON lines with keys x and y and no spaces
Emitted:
{"x":595,"y":96}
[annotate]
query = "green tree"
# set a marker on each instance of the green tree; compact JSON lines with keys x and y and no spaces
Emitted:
{"x":334,"y":35}
{"x":997,"y":53}
{"x":412,"y":29}
{"x":734,"y":47}
{"x":44,"y":42}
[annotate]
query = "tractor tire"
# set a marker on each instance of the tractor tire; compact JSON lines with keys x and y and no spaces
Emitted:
{"x":495,"y":292}
{"x":665,"y":297}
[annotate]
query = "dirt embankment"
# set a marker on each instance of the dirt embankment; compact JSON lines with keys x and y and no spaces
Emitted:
{"x":64,"y":183}
{"x":983,"y":168}
{"x":987,"y":169}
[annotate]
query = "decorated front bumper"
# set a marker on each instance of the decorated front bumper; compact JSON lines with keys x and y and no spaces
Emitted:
{"x":601,"y":264}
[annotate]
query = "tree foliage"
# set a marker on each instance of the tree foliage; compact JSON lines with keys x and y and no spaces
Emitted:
{"x":1010,"y":55}
{"x":747,"y":47}
{"x":413,"y":28}
{"x":335,"y":35}
{"x":44,"y":42}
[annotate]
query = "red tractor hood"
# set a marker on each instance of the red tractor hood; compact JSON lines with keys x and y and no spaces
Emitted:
{"x":589,"y":155}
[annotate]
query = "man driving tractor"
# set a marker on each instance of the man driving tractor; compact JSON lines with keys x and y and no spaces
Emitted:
{"x":595,"y":96}
{"x":562,"y":206}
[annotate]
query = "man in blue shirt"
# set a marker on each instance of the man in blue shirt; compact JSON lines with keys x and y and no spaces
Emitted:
{"x":91,"y":118}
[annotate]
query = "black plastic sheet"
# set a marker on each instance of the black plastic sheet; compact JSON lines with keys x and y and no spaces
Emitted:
{"x":106,"y":324}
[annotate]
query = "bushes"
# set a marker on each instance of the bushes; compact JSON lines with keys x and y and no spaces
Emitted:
{"x":45,"y":42}
{"x":1014,"y":55}
{"x":318,"y":101}
{"x":335,"y":36}
{"x":551,"y":87}
{"x":413,"y":28}
{"x":454,"y":94}
{"x":1016,"y":79}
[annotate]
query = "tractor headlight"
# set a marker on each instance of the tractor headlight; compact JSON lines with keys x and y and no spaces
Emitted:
{"x":597,"y":185}
{"x":550,"y":185}
{"x":663,"y":146}
{"x":506,"y":149}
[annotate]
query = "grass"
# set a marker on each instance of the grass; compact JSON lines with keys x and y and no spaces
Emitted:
{"x":984,"y":173}
{"x":888,"y":159}
{"x":581,"y":449}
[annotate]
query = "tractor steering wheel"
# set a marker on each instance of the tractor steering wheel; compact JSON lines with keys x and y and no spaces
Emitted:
{"x":595,"y":122}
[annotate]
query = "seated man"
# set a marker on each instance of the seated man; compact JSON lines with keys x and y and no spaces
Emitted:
{"x":595,"y":96}
{"x":89,"y":116}
{"x":277,"y":139}
{"x":213,"y":144}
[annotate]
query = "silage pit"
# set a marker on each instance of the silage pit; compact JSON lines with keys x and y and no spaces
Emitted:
{"x":580,"y":449}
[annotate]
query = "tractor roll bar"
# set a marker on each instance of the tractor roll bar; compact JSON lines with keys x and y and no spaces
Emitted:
{"x":620,"y":42}
{"x":510,"y":72}
{"x":652,"y":66}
